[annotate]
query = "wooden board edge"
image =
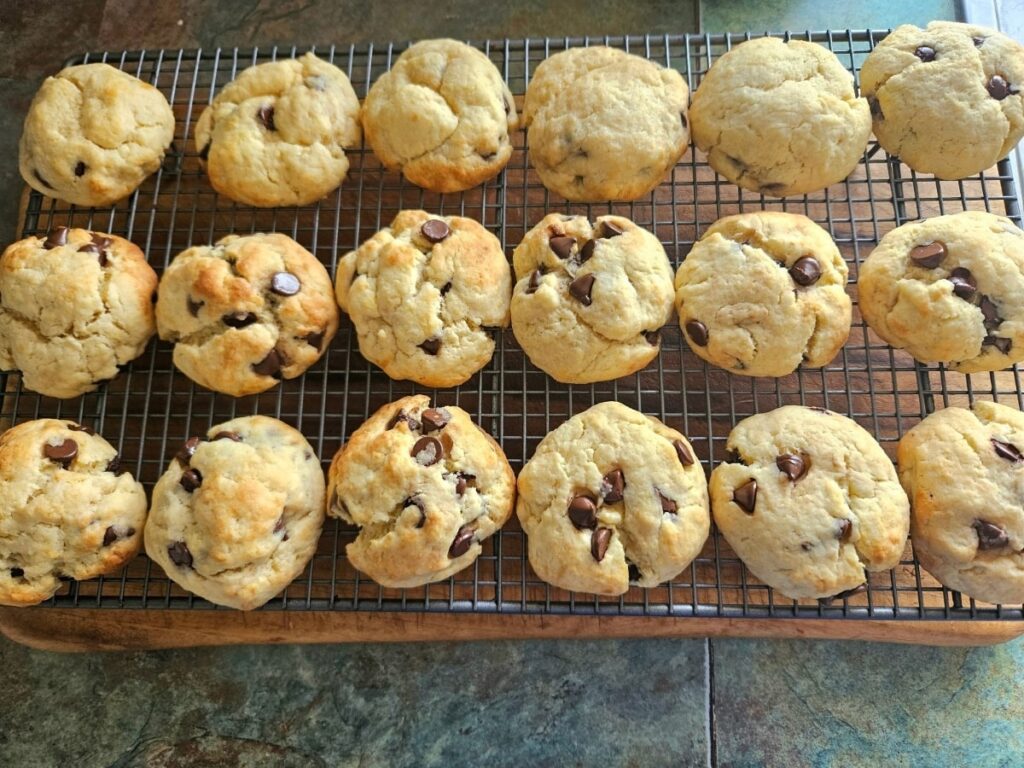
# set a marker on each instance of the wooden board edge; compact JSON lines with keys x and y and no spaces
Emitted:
{"x":88,"y":630}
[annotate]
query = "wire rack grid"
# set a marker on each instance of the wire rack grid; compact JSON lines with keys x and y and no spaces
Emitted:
{"x":150,"y":408}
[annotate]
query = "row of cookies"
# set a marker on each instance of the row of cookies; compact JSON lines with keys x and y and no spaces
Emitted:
{"x":780,"y":118}
{"x":611,"y":498}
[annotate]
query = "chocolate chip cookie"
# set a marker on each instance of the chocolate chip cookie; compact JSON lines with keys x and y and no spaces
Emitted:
{"x":964,"y":472}
{"x":946,"y":99}
{"x":590,"y":298}
{"x":425,"y":486}
{"x":68,"y":510}
{"x":780,"y":118}
{"x":237,"y":516}
{"x":809,"y":501}
{"x":93,"y":134}
{"x":604,"y":124}
{"x":246,"y":312}
{"x":427,"y":295}
{"x":442,"y":116}
{"x":74,"y":305}
{"x":761,"y":293}
{"x":277,"y":134}
{"x":612,"y":498}
{"x":950,"y":290}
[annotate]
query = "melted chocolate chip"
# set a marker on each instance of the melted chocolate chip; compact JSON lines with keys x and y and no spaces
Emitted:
{"x":114,"y":465}
{"x":534,"y":283}
{"x":599,"y":542}
{"x":226,"y":435}
{"x":403,"y":416}
{"x":17,"y":573}
{"x":668,"y":506}
{"x":562,"y":246}
{"x":698,"y":332}
{"x":462,"y":481}
{"x":194,"y":306}
{"x":683,"y":453}
{"x":269,"y":365}
{"x":990,"y":313}
{"x":587,"y":251}
{"x":81,"y":428}
{"x":633,"y":573}
{"x":56,"y":238}
{"x":431,"y":346}
{"x":581,"y":287}
{"x":928,"y":256}
{"x":875,"y":107}
{"x":1007,"y":451}
{"x":652,"y":337}
{"x":434,"y":419}
{"x":925,"y":53}
{"x":990,"y":535}
{"x":314,"y":339}
{"x":806,"y":271}
{"x":285,"y":284}
{"x":793,"y":466}
{"x":435,"y":230}
{"x":446,"y":287}
{"x":115,"y":532}
{"x":266,"y":116}
{"x":963,"y":282}
{"x":978,"y":41}
{"x":745,"y":496}
{"x":180,"y":555}
{"x":843,"y":531}
{"x":80,"y":168}
{"x":583,"y":512}
{"x":184,"y":455}
{"x":461,"y":543}
{"x":612,"y":486}
{"x":191,"y":479}
{"x":239,"y":319}
{"x":998,"y":88}
{"x":63,"y":453}
{"x":427,"y":451}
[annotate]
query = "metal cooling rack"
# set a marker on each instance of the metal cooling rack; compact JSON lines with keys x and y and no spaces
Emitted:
{"x":150,"y":408}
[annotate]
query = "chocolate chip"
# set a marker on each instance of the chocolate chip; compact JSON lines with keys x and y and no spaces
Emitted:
{"x":929,"y":255}
{"x":285,"y":284}
{"x":194,"y":306}
{"x":56,"y":238}
{"x":205,"y":151}
{"x":461,"y":543}
{"x":427,"y":451}
{"x":114,"y":465}
{"x":184,"y":455}
{"x":990,"y":535}
{"x":612,"y":486}
{"x":179,"y":553}
{"x":562,"y":246}
{"x":534,"y":283}
{"x":925,"y":53}
{"x":990,"y":313}
{"x":1007,"y":451}
{"x":698,"y":332}
{"x":266,"y":116}
{"x":435,"y":230}
{"x":978,"y":41}
{"x":583,"y":512}
{"x":587,"y":251}
{"x":963,"y":282}
{"x":462,"y":481}
{"x":998,"y":88}
{"x":610,"y":229}
{"x":634,"y":573}
{"x":433,"y":418}
{"x":685,"y":457}
{"x":806,"y":271}
{"x":431,"y":346}
{"x":403,"y":416}
{"x":239,"y":319}
{"x":115,"y":532}
{"x":875,"y":107}
{"x":668,"y":506}
{"x":226,"y":435}
{"x":446,"y":287}
{"x":844,"y":530}
{"x":17,"y":573}
{"x":416,"y":501}
{"x":191,"y":479}
{"x":580,"y":289}
{"x":62,"y":454}
{"x":314,"y":339}
{"x":599,"y":541}
{"x":269,"y":365}
{"x":652,"y":337}
{"x":81,"y":428}
{"x":745,"y":496}
{"x":999,"y":342}
{"x":794,"y":466}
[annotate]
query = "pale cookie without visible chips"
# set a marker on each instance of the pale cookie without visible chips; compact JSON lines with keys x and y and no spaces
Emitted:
{"x":93,"y":134}
{"x":246,"y":312}
{"x":277,"y":134}
{"x":762,"y":292}
{"x":237,"y":517}
{"x":946,"y":99}
{"x":426,"y":296}
{"x":67,"y":509}
{"x":950,"y":290}
{"x":612,"y":498}
{"x":964,"y":472}
{"x":604,"y":124}
{"x":809,"y":501}
{"x":590,"y":299}
{"x":75,"y":305}
{"x":425,"y":485}
{"x":780,"y":118}
{"x":442,"y":116}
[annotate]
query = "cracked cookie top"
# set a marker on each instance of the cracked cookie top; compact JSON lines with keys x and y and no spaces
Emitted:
{"x":780,"y":118}
{"x":237,"y":516}
{"x":612,"y":498}
{"x":949,"y":289}
{"x":590,"y":298}
{"x":604,"y":124}
{"x":277,"y":134}
{"x":92,"y":134}
{"x":425,"y":485}
{"x":761,"y":293}
{"x":809,"y":501}
{"x":68,"y":511}
{"x":946,"y":99}
{"x":964,"y":472}
{"x":442,"y":116}
{"x":426,"y":295}
{"x":246,"y":312}
{"x":74,"y":305}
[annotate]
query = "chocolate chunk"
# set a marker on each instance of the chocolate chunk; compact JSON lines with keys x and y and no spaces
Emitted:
{"x":446,"y":287}
{"x":990,"y":535}
{"x":925,"y":53}
{"x":599,"y":541}
{"x":62,"y":454}
{"x":999,"y":342}
{"x":179,"y":554}
{"x":239,"y":319}
{"x":314,"y":339}
{"x":435,"y":230}
{"x":587,"y":250}
{"x":929,"y":255}
{"x":17,"y":573}
{"x":56,"y":238}
{"x":433,"y":418}
{"x":745,"y":496}
{"x":427,"y":451}
{"x":431,"y":346}
{"x":1007,"y":451}
{"x":115,"y":532}
{"x":461,"y":543}
{"x":205,"y":151}
{"x":806,"y":271}
{"x":875,"y":107}
{"x":184,"y":455}
{"x":794,"y":466}
{"x":194,"y":306}
{"x":685,"y":457}
{"x":562,"y":246}
{"x":652,"y":337}
{"x":403,"y":416}
{"x":989,"y":312}
{"x":269,"y":365}
{"x":998,"y":88}
{"x":583,"y":512}
{"x":285,"y":284}
{"x":81,"y":428}
{"x":612,"y":486}
{"x":534,"y":283}
{"x":963,"y":282}
{"x":844,"y":530}
{"x":610,"y":229}
{"x":668,"y":505}
{"x":191,"y":479}
{"x":80,"y":168}
{"x":226,"y":435}
{"x":266,"y":116}
{"x":580,"y":289}
{"x":698,"y":332}
{"x":634,"y":573}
